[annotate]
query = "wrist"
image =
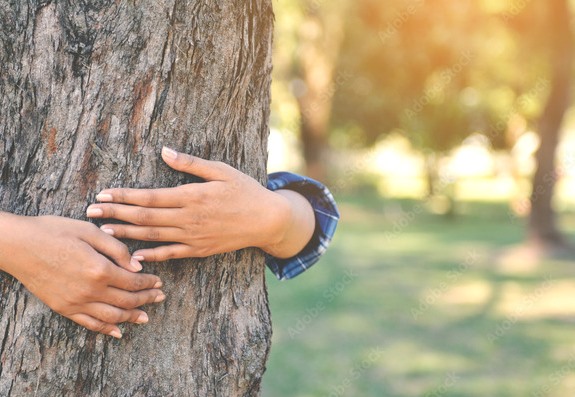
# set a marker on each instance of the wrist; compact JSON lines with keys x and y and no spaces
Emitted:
{"x":8,"y":224}
{"x":295,"y":225}
{"x":279,"y":216}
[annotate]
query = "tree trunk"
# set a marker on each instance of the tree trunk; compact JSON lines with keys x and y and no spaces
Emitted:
{"x":431,"y":174}
{"x":320,"y":39}
{"x":542,"y":229}
{"x":89,"y":93}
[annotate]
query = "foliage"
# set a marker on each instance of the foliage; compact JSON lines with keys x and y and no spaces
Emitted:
{"x":441,"y":70}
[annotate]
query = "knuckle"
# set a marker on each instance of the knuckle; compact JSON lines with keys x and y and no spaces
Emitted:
{"x":60,"y":307}
{"x":117,"y":248}
{"x":120,"y":195}
{"x":109,"y":211}
{"x":97,"y":272}
{"x":122,"y":249}
{"x":153,"y":256}
{"x":226,"y":169}
{"x":109,"y":315}
{"x":150,"y":198}
{"x":202,"y":252}
{"x":168,"y":255}
{"x":128,"y":302}
{"x":190,"y":195}
{"x":198,"y":195}
{"x":187,"y":161}
{"x":152,"y":234}
{"x":138,"y":283}
{"x":100,"y":327}
{"x":143,"y":216}
{"x":120,"y":232}
{"x":86,"y":294}
{"x":116,"y":317}
{"x":165,"y":254}
{"x":92,"y":228}
{"x":220,"y":165}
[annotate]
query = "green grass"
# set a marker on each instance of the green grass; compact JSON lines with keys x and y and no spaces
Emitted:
{"x":406,"y":303}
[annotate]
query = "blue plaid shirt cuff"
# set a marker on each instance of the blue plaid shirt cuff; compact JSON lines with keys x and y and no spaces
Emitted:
{"x":326,"y":216}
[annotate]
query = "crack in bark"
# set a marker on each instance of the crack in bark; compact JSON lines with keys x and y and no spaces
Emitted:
{"x":212,"y":337}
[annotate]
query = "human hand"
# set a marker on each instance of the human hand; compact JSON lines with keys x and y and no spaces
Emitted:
{"x":229,"y":211}
{"x":64,"y":262}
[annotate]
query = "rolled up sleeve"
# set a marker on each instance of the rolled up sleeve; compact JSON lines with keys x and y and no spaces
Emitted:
{"x":326,"y":218}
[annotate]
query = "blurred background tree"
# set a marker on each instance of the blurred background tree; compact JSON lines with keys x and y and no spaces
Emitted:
{"x":423,"y":105}
{"x":556,"y":37}
{"x":436,"y":73}
{"x":317,"y":29}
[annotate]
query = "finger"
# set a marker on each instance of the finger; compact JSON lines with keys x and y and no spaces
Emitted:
{"x":112,"y":248}
{"x":131,"y":300}
{"x":96,"y":325}
{"x":144,"y":233}
{"x":113,"y":315}
{"x":134,"y":214}
{"x":122,"y":279}
{"x":165,"y":252}
{"x":206,"y":169}
{"x":152,"y":198}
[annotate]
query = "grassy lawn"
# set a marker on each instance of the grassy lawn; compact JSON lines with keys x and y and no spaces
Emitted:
{"x":407,"y":303}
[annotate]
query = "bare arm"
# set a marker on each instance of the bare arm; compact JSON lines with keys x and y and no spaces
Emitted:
{"x":65,"y":263}
{"x":297,"y":228}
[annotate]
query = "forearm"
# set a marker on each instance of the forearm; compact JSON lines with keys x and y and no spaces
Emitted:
{"x":230,"y":211}
{"x":299,"y":226}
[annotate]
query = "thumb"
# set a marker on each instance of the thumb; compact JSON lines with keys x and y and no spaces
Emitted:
{"x":206,"y":169}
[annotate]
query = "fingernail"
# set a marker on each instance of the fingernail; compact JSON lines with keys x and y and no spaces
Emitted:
{"x":142,"y":318}
{"x":169,"y":153}
{"x":116,"y":334}
{"x":160,"y":298}
{"x":107,"y":230}
{"x":104,"y":197}
{"x":137,"y":266}
{"x":93,"y":212}
{"x":159,"y":284}
{"x":139,"y":258}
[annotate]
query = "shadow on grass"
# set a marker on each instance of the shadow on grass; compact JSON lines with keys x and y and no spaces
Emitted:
{"x":419,"y":306}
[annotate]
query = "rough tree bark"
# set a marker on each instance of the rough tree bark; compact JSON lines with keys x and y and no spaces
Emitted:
{"x":89,"y":92}
{"x":542,"y":228}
